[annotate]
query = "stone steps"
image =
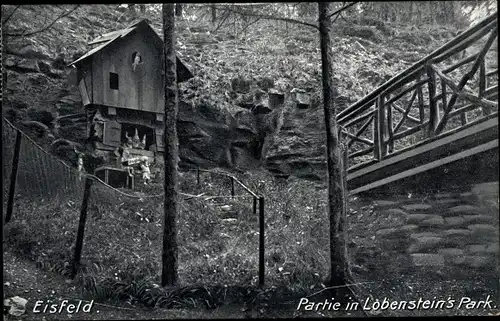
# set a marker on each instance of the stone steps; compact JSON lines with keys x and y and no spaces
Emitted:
{"x":451,"y":232}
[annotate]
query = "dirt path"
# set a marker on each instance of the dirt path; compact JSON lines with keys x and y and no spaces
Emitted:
{"x":22,"y":278}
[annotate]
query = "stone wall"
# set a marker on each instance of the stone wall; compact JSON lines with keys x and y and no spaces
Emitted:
{"x":446,"y":235}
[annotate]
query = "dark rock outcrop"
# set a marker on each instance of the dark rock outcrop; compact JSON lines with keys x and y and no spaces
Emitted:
{"x":211,"y":137}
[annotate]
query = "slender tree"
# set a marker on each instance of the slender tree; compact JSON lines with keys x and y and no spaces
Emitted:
{"x":170,"y":252}
{"x":335,"y":186}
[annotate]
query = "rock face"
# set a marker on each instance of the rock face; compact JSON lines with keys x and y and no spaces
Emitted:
{"x":299,"y":146}
{"x":210,"y":137}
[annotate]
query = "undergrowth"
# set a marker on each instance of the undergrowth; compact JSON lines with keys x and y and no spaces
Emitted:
{"x":217,"y":238}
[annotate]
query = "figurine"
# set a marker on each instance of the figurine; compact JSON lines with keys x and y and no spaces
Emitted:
{"x":128,"y":143}
{"x":146,"y":172}
{"x":137,"y":61}
{"x":136,"y":140}
{"x":79,"y":162}
{"x":142,"y":144}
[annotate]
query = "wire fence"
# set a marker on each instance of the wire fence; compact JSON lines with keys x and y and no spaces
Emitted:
{"x":43,"y":205}
{"x":65,"y":222}
{"x":8,"y":142}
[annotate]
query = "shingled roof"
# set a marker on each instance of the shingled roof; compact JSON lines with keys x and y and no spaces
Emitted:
{"x":105,"y":40}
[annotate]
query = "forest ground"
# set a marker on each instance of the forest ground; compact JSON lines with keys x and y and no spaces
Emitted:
{"x":23,"y":278}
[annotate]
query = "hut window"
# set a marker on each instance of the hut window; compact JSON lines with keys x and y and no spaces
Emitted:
{"x":113,"y":80}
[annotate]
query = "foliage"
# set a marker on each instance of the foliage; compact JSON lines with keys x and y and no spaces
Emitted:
{"x":123,"y":238}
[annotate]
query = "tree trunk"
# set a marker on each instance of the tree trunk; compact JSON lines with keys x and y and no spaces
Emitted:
{"x":178,"y":10}
{"x":335,"y":187}
{"x":170,"y":252}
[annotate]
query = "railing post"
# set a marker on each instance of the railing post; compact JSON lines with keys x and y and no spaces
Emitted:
{"x":81,"y":226}
{"x":482,"y":87}
{"x":232,"y":186}
{"x":345,"y":167}
{"x":420,"y":100}
{"x":13,"y":177}
{"x":390,"y":129}
{"x":378,"y":134}
{"x":261,"y":241}
{"x":433,"y":108}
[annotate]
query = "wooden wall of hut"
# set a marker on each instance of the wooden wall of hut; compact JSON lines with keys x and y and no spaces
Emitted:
{"x":139,"y":87}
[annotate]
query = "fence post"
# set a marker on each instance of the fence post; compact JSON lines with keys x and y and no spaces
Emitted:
{"x":433,"y":108}
{"x":232,"y":186}
{"x":382,"y":129}
{"x":13,"y":177}
{"x":377,"y":146}
{"x":261,"y":241}
{"x":81,"y":226}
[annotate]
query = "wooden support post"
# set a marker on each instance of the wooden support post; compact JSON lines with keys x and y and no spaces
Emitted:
{"x":443,"y":93}
{"x":13,"y":177}
{"x":382,"y":124}
{"x":421,"y":108}
{"x":463,"y":118}
{"x":232,"y":187}
{"x":378,"y":134}
{"x":482,"y":87}
{"x":261,"y":241}
{"x":81,"y":226}
{"x":433,"y":108}
{"x":390,"y":129}
{"x":255,"y":205}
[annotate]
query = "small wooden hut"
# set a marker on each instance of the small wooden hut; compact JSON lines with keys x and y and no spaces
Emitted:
{"x":121,"y":85}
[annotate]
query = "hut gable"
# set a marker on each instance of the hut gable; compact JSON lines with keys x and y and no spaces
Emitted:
{"x":125,"y":70}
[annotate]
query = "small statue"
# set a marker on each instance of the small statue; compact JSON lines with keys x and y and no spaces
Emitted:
{"x":125,"y":156}
{"x":136,"y":140}
{"x":146,"y":172}
{"x":79,"y":163}
{"x":137,"y":61}
{"x":142,"y":144}
{"x":128,"y":143}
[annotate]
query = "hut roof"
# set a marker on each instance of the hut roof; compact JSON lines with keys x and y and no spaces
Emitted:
{"x":105,"y":40}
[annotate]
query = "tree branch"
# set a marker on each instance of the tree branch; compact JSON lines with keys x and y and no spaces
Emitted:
{"x":44,"y":28}
{"x":10,"y":15}
{"x":342,"y":9}
{"x":224,"y":18}
{"x":269,"y":17}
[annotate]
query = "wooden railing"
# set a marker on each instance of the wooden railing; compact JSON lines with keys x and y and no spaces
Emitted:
{"x":422,"y":101}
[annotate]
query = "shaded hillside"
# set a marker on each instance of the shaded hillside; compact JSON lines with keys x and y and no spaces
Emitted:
{"x":220,"y":123}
